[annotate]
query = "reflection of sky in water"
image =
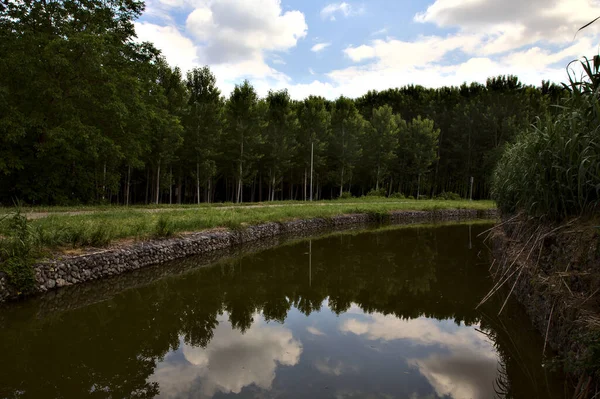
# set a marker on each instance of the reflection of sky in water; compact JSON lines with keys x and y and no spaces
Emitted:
{"x":324,"y":355}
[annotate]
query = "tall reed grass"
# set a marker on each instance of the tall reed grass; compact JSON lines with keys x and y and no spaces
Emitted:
{"x":553,"y":169}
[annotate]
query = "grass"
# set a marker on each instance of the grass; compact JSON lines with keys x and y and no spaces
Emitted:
{"x":103,"y":226}
{"x":102,"y":208}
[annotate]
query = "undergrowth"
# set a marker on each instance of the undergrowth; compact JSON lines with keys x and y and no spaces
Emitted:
{"x":17,"y":253}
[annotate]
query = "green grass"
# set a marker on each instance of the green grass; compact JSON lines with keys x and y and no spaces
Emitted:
{"x":107,"y":225}
{"x":101,"y":208}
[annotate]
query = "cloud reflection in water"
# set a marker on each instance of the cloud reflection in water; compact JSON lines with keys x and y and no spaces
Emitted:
{"x":230,"y":362}
{"x":467,"y":366}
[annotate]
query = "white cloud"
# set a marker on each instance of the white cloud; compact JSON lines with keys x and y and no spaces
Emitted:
{"x":511,"y":24}
{"x":231,"y":31}
{"x":178,"y":49}
{"x":380,"y":32}
{"x":234,"y":37}
{"x":319,"y":47}
{"x":342,"y":8}
{"x":230,"y":362}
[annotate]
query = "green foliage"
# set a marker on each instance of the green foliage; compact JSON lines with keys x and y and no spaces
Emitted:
{"x":164,"y":227}
{"x":17,"y":253}
{"x":380,"y":143}
{"x":376,"y":193}
{"x":397,"y":196}
{"x":380,"y":217}
{"x":90,"y":116}
{"x":553,"y":170}
{"x":448,"y":196}
{"x":346,"y":195}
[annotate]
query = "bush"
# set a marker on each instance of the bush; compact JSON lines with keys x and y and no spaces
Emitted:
{"x":448,"y":196}
{"x":164,"y":227}
{"x":553,"y":170}
{"x":16,"y":253}
{"x":346,"y":195}
{"x":397,"y":196}
{"x":410,"y":197}
{"x":423,"y":197}
{"x":376,"y":193}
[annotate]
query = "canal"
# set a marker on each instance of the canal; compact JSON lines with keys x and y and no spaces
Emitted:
{"x":378,"y":313}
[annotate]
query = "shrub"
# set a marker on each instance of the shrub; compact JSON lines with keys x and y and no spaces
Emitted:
{"x":397,"y":196}
{"x":410,"y":197}
{"x":346,"y":195}
{"x":380,"y":217}
{"x":448,"y":196}
{"x":376,"y":193}
{"x":164,"y":227}
{"x":16,"y":253}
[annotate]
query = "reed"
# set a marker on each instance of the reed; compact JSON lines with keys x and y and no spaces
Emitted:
{"x":553,"y":169}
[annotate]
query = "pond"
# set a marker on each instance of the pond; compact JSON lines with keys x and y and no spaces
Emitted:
{"x":384,"y":313}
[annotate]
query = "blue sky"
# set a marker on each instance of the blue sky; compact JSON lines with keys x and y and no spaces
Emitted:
{"x":331,"y":48}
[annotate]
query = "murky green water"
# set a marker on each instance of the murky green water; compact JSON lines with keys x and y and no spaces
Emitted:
{"x":378,"y":314}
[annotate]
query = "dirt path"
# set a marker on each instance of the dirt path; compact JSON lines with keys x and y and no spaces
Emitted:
{"x":40,"y":215}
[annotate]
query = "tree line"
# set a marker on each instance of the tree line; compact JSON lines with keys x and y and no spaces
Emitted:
{"x":89,"y":115}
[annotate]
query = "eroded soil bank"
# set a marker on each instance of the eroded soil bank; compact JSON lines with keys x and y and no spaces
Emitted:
{"x":554,"y":271}
{"x":94,"y":265}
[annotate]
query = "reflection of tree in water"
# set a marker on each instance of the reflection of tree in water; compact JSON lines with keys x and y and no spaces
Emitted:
{"x":511,"y":342}
{"x":112,"y":347}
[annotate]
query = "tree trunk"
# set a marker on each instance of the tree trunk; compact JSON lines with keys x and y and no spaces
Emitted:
{"x":240,"y":196}
{"x":209,"y":196}
{"x":419,"y":186}
{"x":128,"y":185}
{"x":304,"y":184}
{"x":179,"y":188}
{"x":197,"y":181}
{"x":147,"y":184}
{"x":171,"y":186}
{"x":342,"y":182}
{"x":158,"y":181}
{"x":104,"y":182}
{"x":260,"y":187}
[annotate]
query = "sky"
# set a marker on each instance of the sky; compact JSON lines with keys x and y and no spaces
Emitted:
{"x":314,"y":47}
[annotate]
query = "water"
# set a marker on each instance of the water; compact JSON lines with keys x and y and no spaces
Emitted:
{"x":375,"y":314}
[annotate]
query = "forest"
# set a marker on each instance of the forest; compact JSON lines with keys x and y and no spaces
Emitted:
{"x":88,"y":115}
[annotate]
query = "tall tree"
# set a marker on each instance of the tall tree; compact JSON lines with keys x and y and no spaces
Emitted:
{"x":314,"y":125}
{"x":380,"y":142}
{"x":203,"y":126}
{"x":280,"y":133}
{"x":243,"y":133}
{"x":418,"y":147}
{"x":347,"y":128}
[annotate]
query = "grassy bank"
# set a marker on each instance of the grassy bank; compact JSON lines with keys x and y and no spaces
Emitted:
{"x":105,"y":225}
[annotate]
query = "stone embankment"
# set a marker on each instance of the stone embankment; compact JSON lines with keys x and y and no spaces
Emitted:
{"x":74,"y":269}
